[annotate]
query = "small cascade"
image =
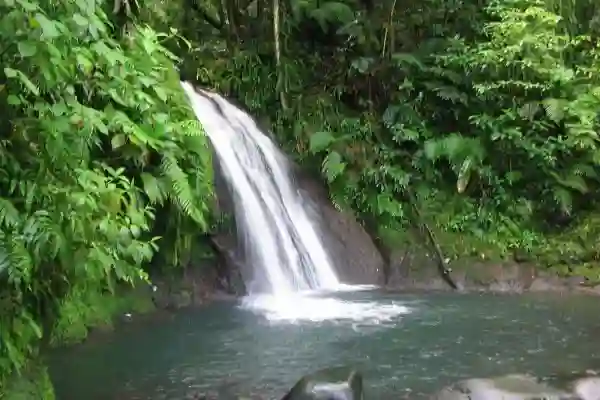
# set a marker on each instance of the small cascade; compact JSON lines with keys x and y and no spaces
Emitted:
{"x":280,"y":242}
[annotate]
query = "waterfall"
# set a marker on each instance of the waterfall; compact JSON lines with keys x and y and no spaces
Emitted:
{"x":280,"y":242}
{"x":292,"y":272}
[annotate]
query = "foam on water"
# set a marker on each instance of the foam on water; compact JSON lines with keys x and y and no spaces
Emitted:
{"x":304,"y":307}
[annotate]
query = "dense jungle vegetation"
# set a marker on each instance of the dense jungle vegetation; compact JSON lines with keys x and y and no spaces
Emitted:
{"x":479,"y":117}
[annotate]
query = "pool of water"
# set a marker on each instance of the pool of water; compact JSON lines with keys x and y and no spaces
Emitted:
{"x":228,"y":352}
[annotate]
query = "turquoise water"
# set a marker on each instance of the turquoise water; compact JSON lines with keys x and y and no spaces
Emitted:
{"x":225,"y":352}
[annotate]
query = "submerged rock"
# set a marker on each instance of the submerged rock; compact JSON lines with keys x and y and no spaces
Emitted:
{"x":339,"y":383}
{"x":510,"y":387}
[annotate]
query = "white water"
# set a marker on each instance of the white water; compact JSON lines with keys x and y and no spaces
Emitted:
{"x":292,"y":267}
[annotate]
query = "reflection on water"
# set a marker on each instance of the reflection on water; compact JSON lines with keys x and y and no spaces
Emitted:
{"x":227,"y":351}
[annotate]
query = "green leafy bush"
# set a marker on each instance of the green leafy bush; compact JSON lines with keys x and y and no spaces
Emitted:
{"x":96,"y":139}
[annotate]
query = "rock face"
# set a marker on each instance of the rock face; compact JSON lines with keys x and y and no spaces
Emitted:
{"x":414,"y":268}
{"x":340,"y":383}
{"x":202,"y":280}
{"x":357,"y":259}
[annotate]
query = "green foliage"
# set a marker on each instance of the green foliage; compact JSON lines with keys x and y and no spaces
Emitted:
{"x":481,"y":115}
{"x":87,"y":308}
{"x":96,"y":141}
{"x":34,"y":383}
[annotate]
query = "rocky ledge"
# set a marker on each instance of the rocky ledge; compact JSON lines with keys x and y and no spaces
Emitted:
{"x":419,"y":271}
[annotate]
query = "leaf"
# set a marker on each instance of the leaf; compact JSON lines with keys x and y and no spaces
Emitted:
{"x":84,"y":64}
{"x":528,"y":110}
{"x":27,"y":49}
{"x":162,"y":95}
{"x":13,"y":100}
{"x":333,"y":166}
{"x":320,"y":141}
{"x":464,"y":175}
{"x":406,"y":59}
{"x":26,"y":5}
{"x":362,"y":64}
{"x":432,"y":149}
{"x":337,"y":11}
{"x":451,"y":94}
{"x":9,"y":215}
{"x":334,"y":12}
{"x":48,"y":27}
{"x":391,"y":115}
{"x":80,"y":20}
{"x":10,"y":73}
{"x":118,"y":141}
{"x":37,"y":330}
{"x":555,"y":109}
{"x":152,"y":188}
{"x":13,"y":73}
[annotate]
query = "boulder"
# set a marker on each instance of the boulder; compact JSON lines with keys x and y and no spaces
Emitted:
{"x":339,"y":383}
{"x":509,"y":387}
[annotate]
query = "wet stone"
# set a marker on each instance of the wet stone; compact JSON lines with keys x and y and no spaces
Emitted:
{"x":510,"y":387}
{"x":340,"y":383}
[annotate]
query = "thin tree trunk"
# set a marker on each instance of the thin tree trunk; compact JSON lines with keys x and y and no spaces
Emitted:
{"x":280,"y":72}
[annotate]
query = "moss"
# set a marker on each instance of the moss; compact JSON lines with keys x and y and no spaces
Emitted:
{"x":32,"y":384}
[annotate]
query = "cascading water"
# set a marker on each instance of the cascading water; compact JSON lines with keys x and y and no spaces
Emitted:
{"x":280,"y":240}
{"x":281,"y":243}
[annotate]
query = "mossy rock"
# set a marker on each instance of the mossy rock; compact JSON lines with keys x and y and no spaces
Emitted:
{"x":32,"y":384}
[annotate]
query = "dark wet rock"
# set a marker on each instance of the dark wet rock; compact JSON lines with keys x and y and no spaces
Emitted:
{"x":357,"y":258}
{"x":339,"y":383}
{"x":200,"y":283}
{"x":510,"y":387}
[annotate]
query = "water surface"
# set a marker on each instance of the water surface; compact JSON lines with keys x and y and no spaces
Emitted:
{"x":225,"y":351}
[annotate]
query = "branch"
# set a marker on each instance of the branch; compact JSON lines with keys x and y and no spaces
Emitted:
{"x":441,"y":261}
